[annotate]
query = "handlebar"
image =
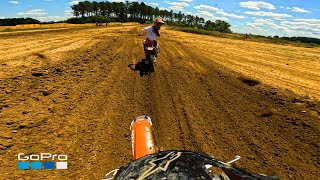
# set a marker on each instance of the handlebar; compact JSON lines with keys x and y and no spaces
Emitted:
{"x":183,"y":165}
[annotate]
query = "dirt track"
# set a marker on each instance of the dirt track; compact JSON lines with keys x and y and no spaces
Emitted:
{"x":72,"y":92}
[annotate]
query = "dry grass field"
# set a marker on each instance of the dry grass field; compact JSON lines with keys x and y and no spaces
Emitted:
{"x":56,"y":25}
{"x":286,"y":67}
{"x":71,"y":91}
{"x":24,"y":27}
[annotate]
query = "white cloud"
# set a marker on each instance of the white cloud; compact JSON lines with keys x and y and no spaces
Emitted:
{"x":36,"y":12}
{"x":185,"y":0}
{"x":68,"y":12}
{"x":268,"y":14}
{"x":205,"y":13}
{"x":2,"y":17}
{"x":218,"y":11}
{"x":44,"y":18}
{"x":256,"y":5}
{"x":300,"y":10}
{"x":117,"y":1}
{"x":177,"y":8}
{"x":309,"y":20}
{"x":267,"y":23}
{"x":302,"y":25}
{"x":298,"y":27}
{"x":188,"y":13}
{"x":206,"y":7}
{"x":229,"y":15}
{"x":153,"y":4}
{"x":162,"y":8}
{"x":182,"y":4}
{"x":73,"y":2}
{"x":210,"y":16}
{"x":51,"y":18}
{"x":14,"y":2}
{"x":281,"y":7}
{"x":302,"y":28}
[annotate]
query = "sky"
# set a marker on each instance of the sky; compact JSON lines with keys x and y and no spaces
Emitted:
{"x":265,"y":17}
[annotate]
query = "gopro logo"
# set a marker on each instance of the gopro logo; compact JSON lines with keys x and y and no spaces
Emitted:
{"x":36,"y":164}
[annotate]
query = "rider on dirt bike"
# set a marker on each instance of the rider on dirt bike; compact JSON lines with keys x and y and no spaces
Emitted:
{"x":152,"y":32}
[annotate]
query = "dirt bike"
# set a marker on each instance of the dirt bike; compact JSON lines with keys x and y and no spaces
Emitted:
{"x":173,"y":164}
{"x":150,"y":52}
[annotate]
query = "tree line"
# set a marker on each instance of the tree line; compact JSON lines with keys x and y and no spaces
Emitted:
{"x":300,"y":39}
{"x":17,"y":21}
{"x":91,"y":12}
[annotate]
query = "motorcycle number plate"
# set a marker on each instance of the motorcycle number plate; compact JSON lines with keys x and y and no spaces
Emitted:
{"x":150,"y":48}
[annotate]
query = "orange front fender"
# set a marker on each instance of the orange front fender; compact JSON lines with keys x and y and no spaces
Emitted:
{"x":141,"y":137}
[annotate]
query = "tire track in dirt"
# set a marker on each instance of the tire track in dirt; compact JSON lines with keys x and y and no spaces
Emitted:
{"x":175,"y":86}
{"x":56,"y":40}
{"x":235,"y":117}
{"x":82,"y":120}
{"x":272,"y":128}
{"x":105,"y":127}
{"x":54,"y":44}
{"x":35,"y":55}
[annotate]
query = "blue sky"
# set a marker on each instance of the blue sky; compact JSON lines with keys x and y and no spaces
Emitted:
{"x":265,"y":17}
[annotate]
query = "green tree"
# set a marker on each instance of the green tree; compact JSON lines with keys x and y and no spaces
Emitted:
{"x":95,"y":8}
{"x":222,"y":26}
{"x":149,"y":13}
{"x":128,"y":6}
{"x":82,"y":8}
{"x":171,"y":15}
{"x":143,"y":10}
{"x":134,"y":11}
{"x":122,"y":12}
{"x":180,"y":16}
{"x":76,"y":10}
{"x":156,"y":12}
{"x":211,"y":26}
{"x":88,"y":7}
{"x":102,"y":8}
{"x":108,"y":7}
